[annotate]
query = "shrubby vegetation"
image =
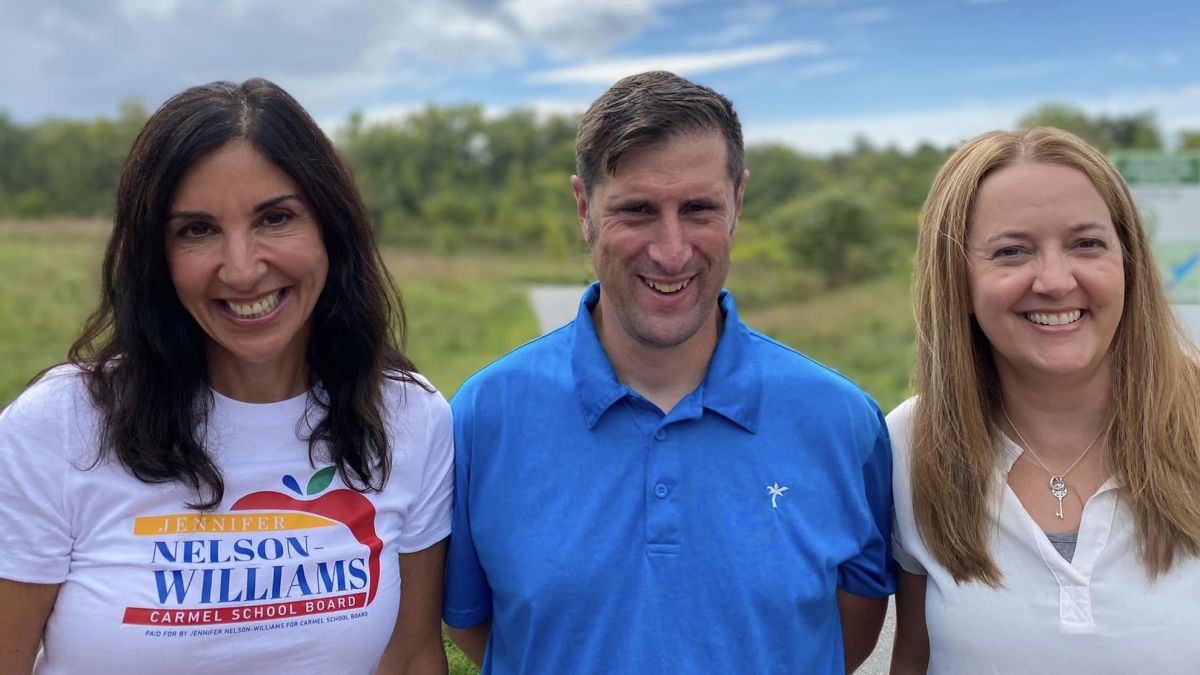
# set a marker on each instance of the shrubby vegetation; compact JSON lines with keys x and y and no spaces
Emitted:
{"x":820,"y":260}
{"x":451,"y":179}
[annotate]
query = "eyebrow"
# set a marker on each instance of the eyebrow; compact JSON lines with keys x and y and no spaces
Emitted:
{"x":261,"y":206}
{"x":1024,"y":234}
{"x":619,"y":202}
{"x":625,"y":202}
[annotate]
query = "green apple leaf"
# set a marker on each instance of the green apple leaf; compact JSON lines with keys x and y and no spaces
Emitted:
{"x":321,"y":479}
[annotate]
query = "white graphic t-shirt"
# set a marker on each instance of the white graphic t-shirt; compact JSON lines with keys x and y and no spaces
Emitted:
{"x":293,"y":572}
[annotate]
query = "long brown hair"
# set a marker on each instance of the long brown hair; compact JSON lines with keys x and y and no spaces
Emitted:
{"x":1154,"y":439}
{"x":143,"y":355}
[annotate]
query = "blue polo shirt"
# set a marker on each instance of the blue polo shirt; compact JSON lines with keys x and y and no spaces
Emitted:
{"x":601,"y":536}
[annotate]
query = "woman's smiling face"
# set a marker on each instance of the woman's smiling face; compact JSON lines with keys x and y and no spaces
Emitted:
{"x":1045,"y":270}
{"x":247,"y":260}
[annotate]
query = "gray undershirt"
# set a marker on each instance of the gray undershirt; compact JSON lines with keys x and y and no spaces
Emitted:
{"x":1064,"y":542}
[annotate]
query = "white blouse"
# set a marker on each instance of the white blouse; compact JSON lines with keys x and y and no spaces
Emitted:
{"x":1095,"y":614}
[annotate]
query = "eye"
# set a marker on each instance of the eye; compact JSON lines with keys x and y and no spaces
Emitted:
{"x":1007,"y":252}
{"x":698,"y":207}
{"x":1091,"y":244}
{"x":195,"y":229}
{"x":279,"y":217}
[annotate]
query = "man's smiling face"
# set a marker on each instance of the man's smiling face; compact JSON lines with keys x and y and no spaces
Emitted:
{"x":660,"y":229}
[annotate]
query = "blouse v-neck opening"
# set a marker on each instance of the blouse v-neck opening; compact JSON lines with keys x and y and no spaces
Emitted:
{"x":1074,"y":577}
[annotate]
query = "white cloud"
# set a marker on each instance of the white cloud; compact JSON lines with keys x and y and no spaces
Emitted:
{"x":740,"y":23}
{"x":567,"y":28}
{"x":1175,"y":109}
{"x":80,"y":57}
{"x":906,"y":130}
{"x":1136,"y":62}
{"x":866,"y":16}
{"x":542,"y":109}
{"x":825,"y":69}
{"x":692,"y":63}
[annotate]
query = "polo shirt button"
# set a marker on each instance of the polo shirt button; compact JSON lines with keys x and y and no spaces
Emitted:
{"x":660,"y":434}
{"x":661,"y":490}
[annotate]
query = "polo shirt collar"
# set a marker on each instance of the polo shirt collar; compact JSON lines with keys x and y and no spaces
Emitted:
{"x":732,"y":387}
{"x":596,"y":384}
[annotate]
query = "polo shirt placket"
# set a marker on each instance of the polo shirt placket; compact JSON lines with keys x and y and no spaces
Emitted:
{"x":663,"y":456}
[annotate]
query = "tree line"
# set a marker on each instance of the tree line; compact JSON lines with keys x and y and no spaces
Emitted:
{"x":449,"y":178}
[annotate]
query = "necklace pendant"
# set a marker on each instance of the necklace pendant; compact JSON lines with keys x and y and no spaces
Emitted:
{"x":1058,"y":488}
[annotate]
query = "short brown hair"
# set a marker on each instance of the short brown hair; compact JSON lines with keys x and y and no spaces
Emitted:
{"x":647,"y":109}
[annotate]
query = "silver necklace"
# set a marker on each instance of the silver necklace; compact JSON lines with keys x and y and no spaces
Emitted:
{"x":1058,"y":482}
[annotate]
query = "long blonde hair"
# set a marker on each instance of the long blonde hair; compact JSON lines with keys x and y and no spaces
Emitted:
{"x":1154,"y":439}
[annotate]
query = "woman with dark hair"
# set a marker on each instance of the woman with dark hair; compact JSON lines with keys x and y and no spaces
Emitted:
{"x":1046,"y":473}
{"x":238,"y":465}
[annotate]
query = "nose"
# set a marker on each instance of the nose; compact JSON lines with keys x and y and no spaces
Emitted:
{"x":670,"y":248}
{"x":241,"y":264}
{"x":1055,"y":276}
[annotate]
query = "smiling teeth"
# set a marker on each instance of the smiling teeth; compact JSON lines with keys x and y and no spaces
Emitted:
{"x":1054,"y":319}
{"x":256,"y":309}
{"x":668,"y":288}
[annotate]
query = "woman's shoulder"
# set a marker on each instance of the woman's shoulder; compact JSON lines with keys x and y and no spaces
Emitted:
{"x":899,"y":422}
{"x":50,"y":417}
{"x":58,"y":390}
{"x":418,"y":418}
{"x":412,"y":394}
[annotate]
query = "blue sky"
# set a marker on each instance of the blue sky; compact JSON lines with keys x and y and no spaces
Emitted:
{"x":810,"y":73}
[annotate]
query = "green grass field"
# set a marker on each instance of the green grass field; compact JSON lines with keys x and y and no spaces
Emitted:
{"x":463,"y":312}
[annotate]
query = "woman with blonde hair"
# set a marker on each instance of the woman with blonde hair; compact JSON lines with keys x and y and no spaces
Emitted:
{"x":1047,"y":473}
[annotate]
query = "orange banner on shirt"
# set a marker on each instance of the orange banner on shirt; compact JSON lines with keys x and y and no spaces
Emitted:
{"x":218,"y":523}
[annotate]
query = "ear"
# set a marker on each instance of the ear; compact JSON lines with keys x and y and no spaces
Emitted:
{"x":581,"y":205}
{"x":738,"y":198}
{"x":967,"y":290}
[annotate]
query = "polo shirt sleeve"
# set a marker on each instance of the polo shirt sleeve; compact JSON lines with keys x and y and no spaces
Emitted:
{"x":35,"y":531}
{"x":468,"y":597}
{"x":872,"y":573}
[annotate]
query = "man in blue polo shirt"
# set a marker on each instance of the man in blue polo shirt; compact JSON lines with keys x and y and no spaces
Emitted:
{"x":655,"y":487}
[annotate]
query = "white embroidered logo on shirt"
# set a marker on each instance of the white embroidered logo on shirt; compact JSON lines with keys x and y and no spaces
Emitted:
{"x":776,"y":492}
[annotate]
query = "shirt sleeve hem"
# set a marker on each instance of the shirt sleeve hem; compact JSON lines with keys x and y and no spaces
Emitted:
{"x":906,"y":561}
{"x":875,"y":592}
{"x":30,"y":576}
{"x":425,"y":540}
{"x":465,"y":619}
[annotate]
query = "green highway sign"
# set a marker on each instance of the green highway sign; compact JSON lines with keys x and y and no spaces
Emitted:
{"x":1167,"y":191}
{"x":1159,"y":169}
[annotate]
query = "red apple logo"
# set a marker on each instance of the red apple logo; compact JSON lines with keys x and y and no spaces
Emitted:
{"x":344,"y":506}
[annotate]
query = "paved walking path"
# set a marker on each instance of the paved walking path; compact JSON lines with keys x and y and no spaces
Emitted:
{"x":881,"y":659}
{"x":555,"y":306}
